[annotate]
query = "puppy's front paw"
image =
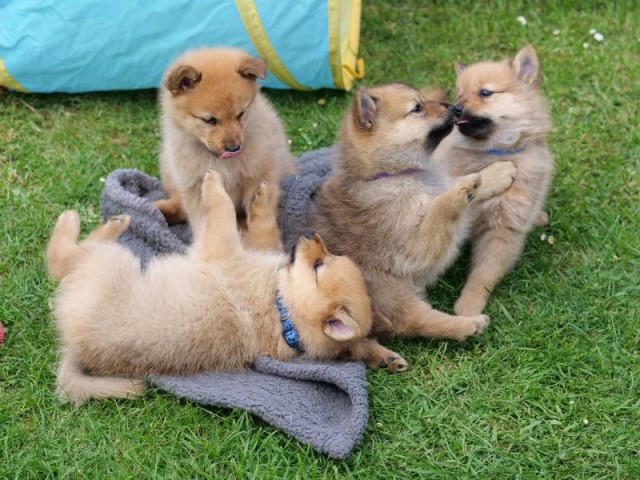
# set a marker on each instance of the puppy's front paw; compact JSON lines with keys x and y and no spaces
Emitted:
{"x":468,"y":187}
{"x":259,"y":204}
{"x":212,"y":188}
{"x":504,"y":174}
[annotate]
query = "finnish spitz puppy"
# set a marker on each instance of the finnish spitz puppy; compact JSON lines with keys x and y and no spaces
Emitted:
{"x":500,"y":115}
{"x":400,"y":218}
{"x":217,"y":308}
{"x":214,"y":117}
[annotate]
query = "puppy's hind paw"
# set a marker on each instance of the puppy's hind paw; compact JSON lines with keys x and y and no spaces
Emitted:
{"x":470,"y":303}
{"x":69,"y":222}
{"x":122,"y":222}
{"x":116,"y":225}
{"x":470,"y":326}
{"x":392,"y":362}
{"x":212,"y":187}
{"x":396,"y":364}
{"x":541,"y":220}
{"x":480,"y":322}
{"x":212,"y":176}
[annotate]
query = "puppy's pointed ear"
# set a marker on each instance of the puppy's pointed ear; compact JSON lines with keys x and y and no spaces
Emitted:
{"x":323,"y":246}
{"x":317,"y":250}
{"x":252,"y":68}
{"x":527,"y":66}
{"x":365,"y":110}
{"x":459,"y":67}
{"x":342,"y":327}
{"x":182,"y":78}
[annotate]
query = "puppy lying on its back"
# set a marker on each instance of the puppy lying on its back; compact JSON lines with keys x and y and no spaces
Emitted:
{"x":500,"y":115}
{"x":214,"y":117}
{"x":400,"y":218}
{"x":218,"y":308}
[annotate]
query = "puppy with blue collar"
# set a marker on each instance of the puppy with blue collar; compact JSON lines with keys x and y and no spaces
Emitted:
{"x":219,"y":307}
{"x":500,"y":116}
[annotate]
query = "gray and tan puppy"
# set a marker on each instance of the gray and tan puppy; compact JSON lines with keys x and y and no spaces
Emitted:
{"x":500,"y":115}
{"x":217,"y":308}
{"x":214,"y":117}
{"x":400,"y":218}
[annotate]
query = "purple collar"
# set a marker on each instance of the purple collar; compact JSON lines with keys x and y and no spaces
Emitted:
{"x":387,"y":174}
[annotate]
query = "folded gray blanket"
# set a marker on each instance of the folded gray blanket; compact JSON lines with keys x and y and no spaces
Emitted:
{"x":297,"y":192}
{"x":320,"y":404}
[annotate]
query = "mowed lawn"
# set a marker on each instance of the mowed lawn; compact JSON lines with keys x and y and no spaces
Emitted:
{"x":552,"y":388}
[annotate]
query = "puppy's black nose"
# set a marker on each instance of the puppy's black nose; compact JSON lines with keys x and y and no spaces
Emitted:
{"x":232,"y":148}
{"x":456,"y":109}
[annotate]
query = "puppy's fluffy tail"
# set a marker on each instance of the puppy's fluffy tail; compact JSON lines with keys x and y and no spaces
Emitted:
{"x":74,"y":385}
{"x":63,"y":246}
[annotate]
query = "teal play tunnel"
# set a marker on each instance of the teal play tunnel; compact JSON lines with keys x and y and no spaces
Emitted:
{"x":90,"y":45}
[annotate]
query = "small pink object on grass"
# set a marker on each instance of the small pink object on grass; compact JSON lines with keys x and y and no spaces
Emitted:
{"x":1,"y":333}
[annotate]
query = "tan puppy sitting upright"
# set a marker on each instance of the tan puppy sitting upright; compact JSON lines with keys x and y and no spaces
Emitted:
{"x":400,"y":218}
{"x":214,"y":117}
{"x":500,"y":115}
{"x":217,"y":308}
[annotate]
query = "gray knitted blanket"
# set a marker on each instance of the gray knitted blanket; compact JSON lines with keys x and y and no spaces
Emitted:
{"x":133,"y":192}
{"x":320,"y":404}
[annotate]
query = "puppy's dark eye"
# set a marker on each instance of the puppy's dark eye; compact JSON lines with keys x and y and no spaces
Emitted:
{"x":317,"y":264}
{"x":241,"y":115}
{"x":210,"y":121}
{"x":417,"y":108}
{"x":485,"y":93}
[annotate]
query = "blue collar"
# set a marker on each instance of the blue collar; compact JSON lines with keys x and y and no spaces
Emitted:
{"x":504,"y":153}
{"x":289,"y":331}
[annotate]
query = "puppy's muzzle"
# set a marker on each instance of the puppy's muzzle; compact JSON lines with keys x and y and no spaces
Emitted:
{"x":456,"y":109}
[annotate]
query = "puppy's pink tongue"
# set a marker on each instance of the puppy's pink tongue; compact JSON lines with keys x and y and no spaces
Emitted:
{"x":461,"y":122}
{"x":229,"y":154}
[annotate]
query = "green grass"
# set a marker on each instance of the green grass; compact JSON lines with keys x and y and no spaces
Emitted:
{"x":551,"y":390}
